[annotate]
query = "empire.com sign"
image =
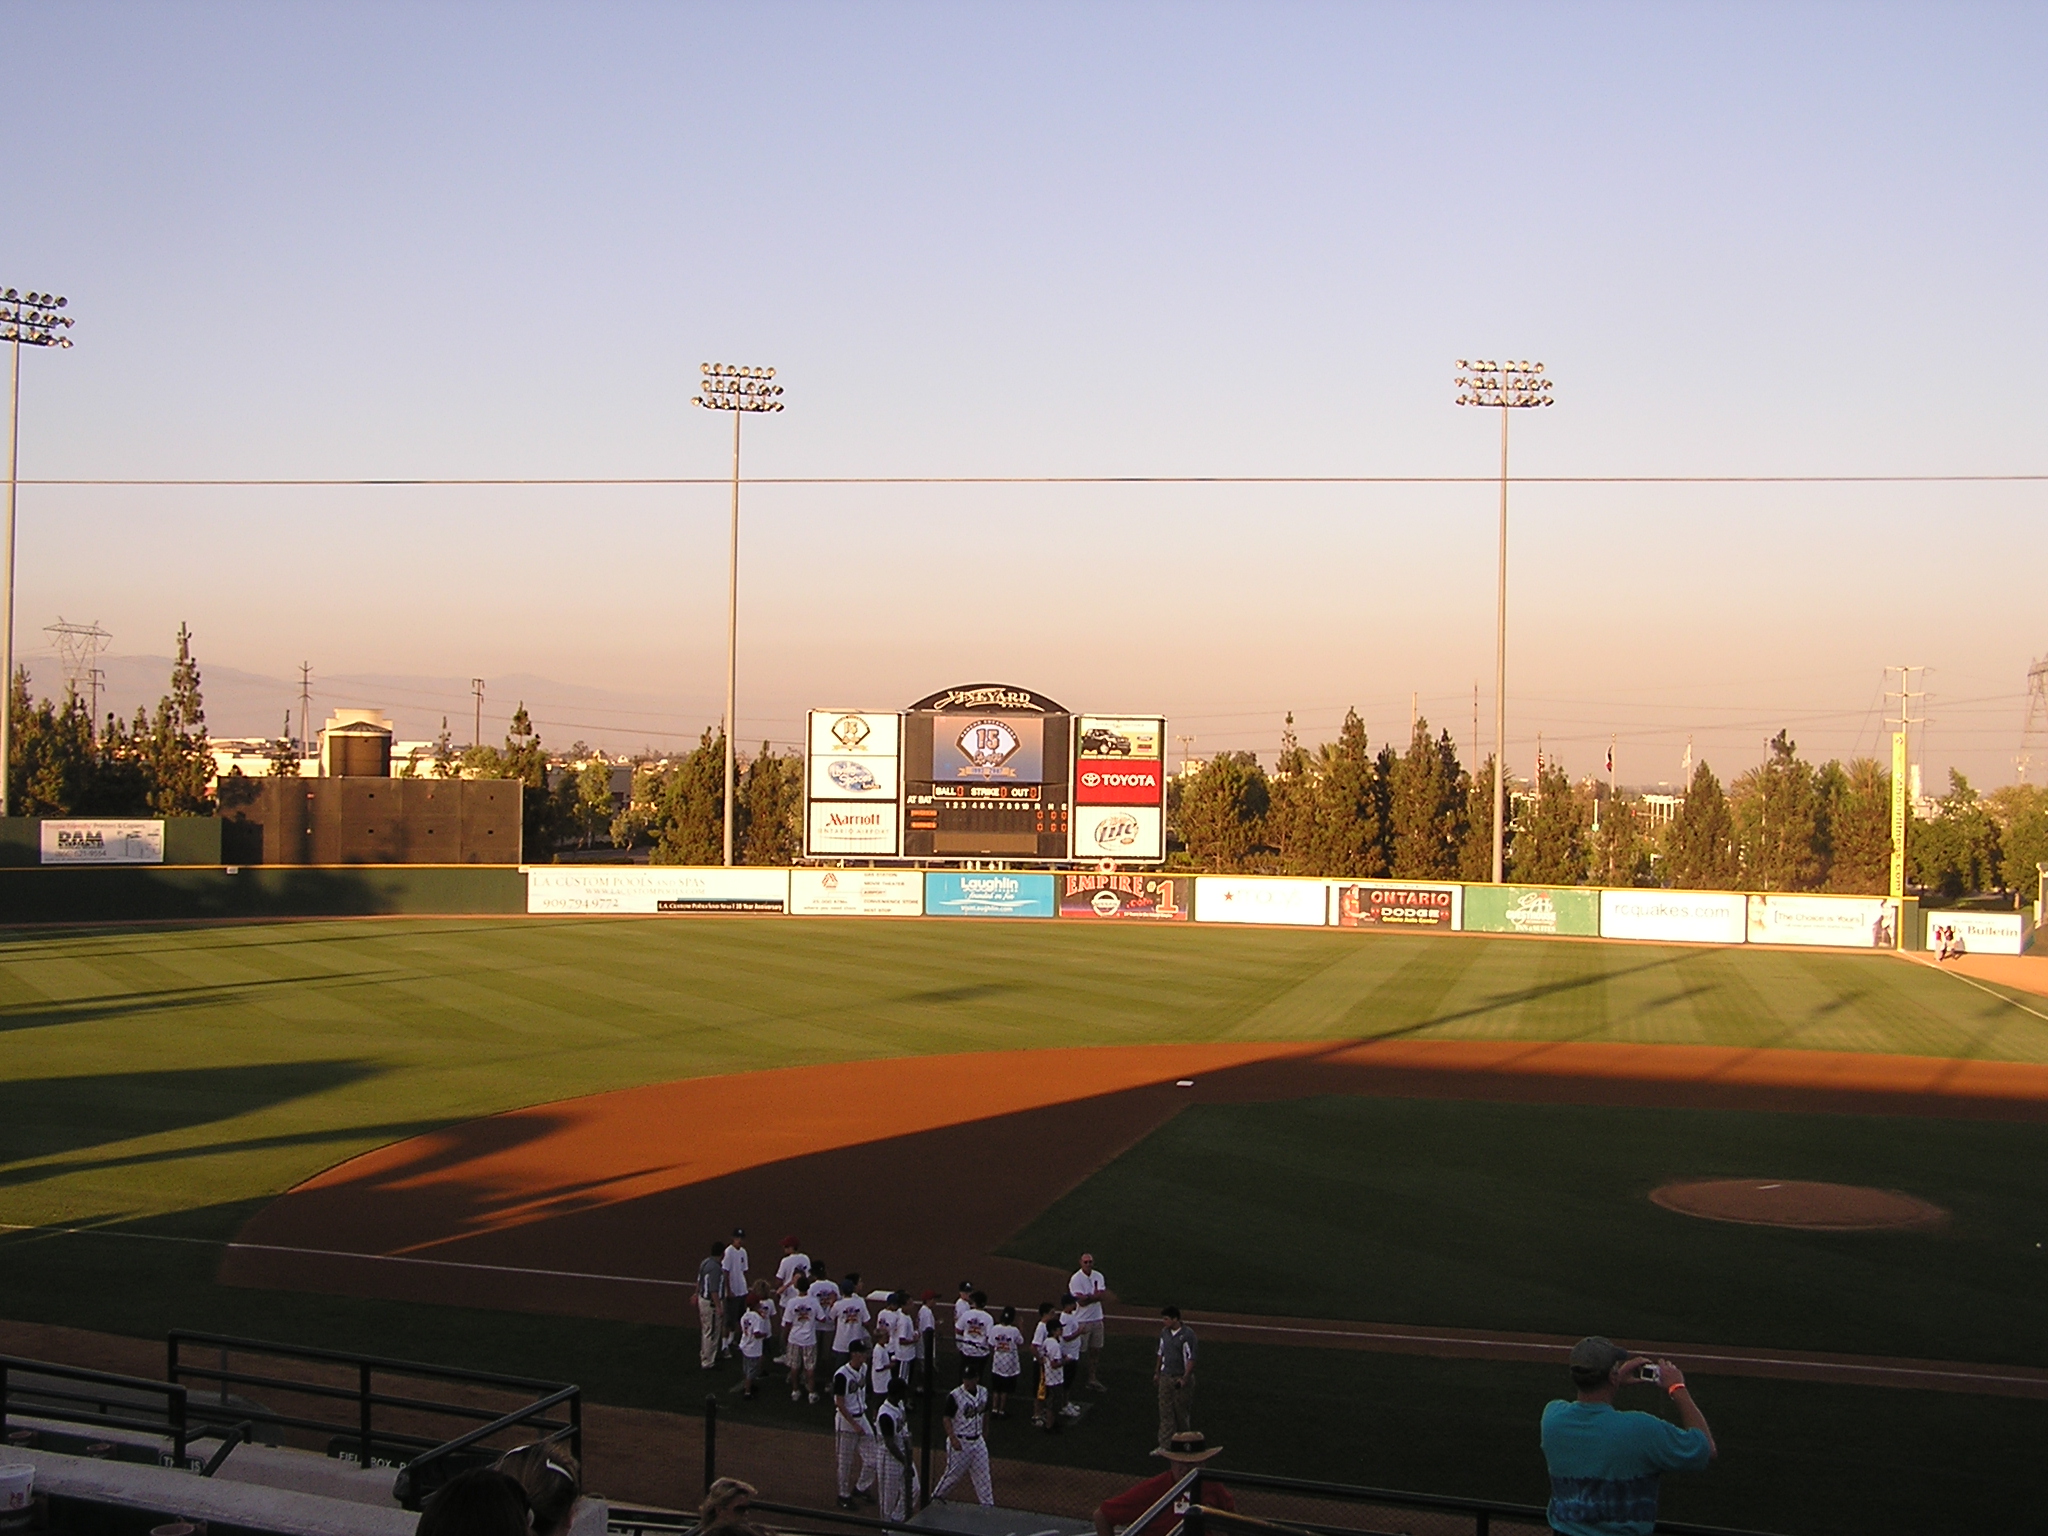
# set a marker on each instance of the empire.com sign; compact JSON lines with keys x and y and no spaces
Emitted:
{"x":102,"y":842}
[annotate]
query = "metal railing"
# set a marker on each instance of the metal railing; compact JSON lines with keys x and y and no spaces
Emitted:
{"x":360,"y":1428}
{"x":71,"y":1394}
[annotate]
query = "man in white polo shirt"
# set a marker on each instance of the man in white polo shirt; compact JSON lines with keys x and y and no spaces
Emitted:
{"x":1087,"y":1286}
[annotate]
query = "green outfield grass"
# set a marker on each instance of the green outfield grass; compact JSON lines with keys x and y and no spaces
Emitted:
{"x":1536,"y":1218}
{"x":168,"y":1081}
{"x":156,"y":1070}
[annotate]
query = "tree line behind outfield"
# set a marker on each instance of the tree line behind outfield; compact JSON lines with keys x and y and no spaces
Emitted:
{"x":1339,"y":809}
{"x":1784,"y":825}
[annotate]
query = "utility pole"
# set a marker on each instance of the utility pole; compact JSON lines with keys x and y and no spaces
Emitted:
{"x":305,"y":710}
{"x":1187,"y":744}
{"x":78,"y":652}
{"x":2037,"y":715}
{"x":476,"y":735}
{"x":1507,"y":387}
{"x":26,"y":320}
{"x":1912,"y":711}
{"x":739,"y":390}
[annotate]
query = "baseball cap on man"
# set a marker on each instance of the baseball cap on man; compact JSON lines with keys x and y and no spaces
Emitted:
{"x":1593,"y":1358}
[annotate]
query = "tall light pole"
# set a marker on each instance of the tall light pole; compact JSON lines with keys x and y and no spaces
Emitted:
{"x":1507,"y":387}
{"x":739,"y":390}
{"x":26,"y":320}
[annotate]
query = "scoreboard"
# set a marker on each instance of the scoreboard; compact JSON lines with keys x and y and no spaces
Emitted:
{"x":986,"y":775}
{"x":986,"y":771}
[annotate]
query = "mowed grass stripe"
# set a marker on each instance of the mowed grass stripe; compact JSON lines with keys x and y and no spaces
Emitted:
{"x":277,"y":1049}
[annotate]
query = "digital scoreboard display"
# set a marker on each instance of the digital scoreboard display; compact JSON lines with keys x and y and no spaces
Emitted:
{"x":986,"y":774}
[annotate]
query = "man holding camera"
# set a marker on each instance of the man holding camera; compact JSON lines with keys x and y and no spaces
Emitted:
{"x":1605,"y":1463}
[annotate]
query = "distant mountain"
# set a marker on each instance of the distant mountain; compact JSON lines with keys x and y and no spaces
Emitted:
{"x":250,"y":704}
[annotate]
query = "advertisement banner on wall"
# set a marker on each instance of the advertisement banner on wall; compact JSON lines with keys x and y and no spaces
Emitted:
{"x":1391,"y":904}
{"x":1139,"y":898}
{"x":854,"y":755}
{"x":1980,"y":933}
{"x":840,"y":827}
{"x":103,"y":842}
{"x":1122,"y":832}
{"x":1840,"y":922}
{"x":644,"y":888}
{"x":1231,"y":899}
{"x":1531,"y":909}
{"x":1121,"y":738}
{"x":1677,"y":917}
{"x":856,"y":893}
{"x":968,"y":893}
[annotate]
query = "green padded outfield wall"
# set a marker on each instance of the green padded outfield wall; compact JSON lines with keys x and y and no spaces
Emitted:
{"x":163,"y":894}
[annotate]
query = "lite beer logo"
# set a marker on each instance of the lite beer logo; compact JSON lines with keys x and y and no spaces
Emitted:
{"x":1118,"y":833}
{"x":850,"y":731}
{"x":988,"y":746}
{"x":1117,"y":782}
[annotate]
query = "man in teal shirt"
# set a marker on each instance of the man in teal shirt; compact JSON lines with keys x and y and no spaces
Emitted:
{"x":1604,"y":1463}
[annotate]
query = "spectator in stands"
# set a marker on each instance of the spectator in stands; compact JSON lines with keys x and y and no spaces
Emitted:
{"x":710,"y":1307}
{"x":479,"y":1502}
{"x":1604,"y":1463}
{"x":1174,"y":1370}
{"x":1186,"y":1451}
{"x":552,"y":1482}
{"x":728,"y":1505}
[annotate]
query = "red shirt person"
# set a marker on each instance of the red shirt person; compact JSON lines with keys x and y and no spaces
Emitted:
{"x":1187,"y":1449}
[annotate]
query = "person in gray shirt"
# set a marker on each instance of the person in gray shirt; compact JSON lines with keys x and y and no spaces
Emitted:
{"x":710,"y":1307}
{"x":1175,"y":1376}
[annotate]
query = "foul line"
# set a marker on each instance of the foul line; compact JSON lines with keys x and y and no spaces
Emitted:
{"x":1971,"y":981}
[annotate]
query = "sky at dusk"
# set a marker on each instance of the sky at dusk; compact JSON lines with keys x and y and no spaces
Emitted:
{"x":413,"y":240}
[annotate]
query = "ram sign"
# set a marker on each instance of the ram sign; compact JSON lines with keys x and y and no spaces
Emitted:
{"x":102,"y":842}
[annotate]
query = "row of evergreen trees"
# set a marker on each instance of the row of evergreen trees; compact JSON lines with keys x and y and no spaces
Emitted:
{"x":1785,"y":825}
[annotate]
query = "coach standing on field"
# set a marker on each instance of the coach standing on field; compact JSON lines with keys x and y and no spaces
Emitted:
{"x":1087,"y":1286}
{"x":710,"y":1307}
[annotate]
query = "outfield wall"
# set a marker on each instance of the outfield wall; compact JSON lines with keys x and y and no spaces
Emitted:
{"x":158,"y":893}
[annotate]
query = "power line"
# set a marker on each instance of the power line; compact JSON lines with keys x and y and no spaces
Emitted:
{"x":404,"y":482}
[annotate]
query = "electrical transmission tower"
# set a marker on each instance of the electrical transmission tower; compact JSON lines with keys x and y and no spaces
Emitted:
{"x":2037,"y":715}
{"x":78,"y":652}
{"x":1912,"y":712}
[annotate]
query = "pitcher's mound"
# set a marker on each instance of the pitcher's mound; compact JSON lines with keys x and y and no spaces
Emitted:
{"x":1798,"y":1203}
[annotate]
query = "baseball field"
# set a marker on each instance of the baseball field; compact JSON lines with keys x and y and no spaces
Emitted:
{"x":1389,"y":1171}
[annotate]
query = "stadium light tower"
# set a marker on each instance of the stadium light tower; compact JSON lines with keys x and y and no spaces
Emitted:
{"x":1506,"y":387}
{"x":26,"y":320}
{"x":739,"y":390}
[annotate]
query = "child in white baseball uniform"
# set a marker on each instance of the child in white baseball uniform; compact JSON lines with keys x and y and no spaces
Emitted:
{"x":1072,"y":1333}
{"x":966,"y":1450}
{"x":1006,"y":1359}
{"x":757,"y":1327}
{"x":1052,"y":1368}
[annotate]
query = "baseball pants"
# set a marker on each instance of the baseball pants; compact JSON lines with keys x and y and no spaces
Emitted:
{"x":711,"y":1327}
{"x":971,"y":1462}
{"x":1176,"y":1408}
{"x":857,"y":1448}
{"x":893,"y":1481}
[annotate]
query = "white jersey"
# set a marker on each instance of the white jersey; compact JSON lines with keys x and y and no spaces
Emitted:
{"x":849,"y":1322}
{"x":903,"y":1345}
{"x":961,"y":1306}
{"x":1087,"y":1287}
{"x":800,"y":1317}
{"x":1006,"y":1349}
{"x":826,"y":1294}
{"x":966,"y":1410}
{"x":754,"y":1331}
{"x":850,"y":1382}
{"x":785,"y":1272}
{"x":1071,"y":1329}
{"x":734,"y":1263}
{"x":881,"y":1370}
{"x":925,"y":1321}
{"x":1052,"y":1360}
{"x":971,"y":1332}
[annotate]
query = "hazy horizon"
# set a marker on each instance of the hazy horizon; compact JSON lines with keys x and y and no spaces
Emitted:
{"x":431,"y":241}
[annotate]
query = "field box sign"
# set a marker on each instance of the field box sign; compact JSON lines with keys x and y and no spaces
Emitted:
{"x":854,"y":754}
{"x":1981,"y":933}
{"x":1531,"y":909}
{"x":1396,"y":904}
{"x":970,"y":893}
{"x":1676,"y":917}
{"x":652,"y":888}
{"x":852,"y":829}
{"x":1292,"y":903}
{"x":102,"y":842}
{"x":1838,"y":922}
{"x":856,"y":893}
{"x":1136,"y":833}
{"x":1129,"y":898}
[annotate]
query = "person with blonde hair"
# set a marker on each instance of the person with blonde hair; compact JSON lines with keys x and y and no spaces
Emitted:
{"x":552,"y":1481}
{"x":726,"y":1507}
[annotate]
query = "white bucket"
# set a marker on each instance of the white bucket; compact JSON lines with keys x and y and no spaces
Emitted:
{"x":17,"y":1488}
